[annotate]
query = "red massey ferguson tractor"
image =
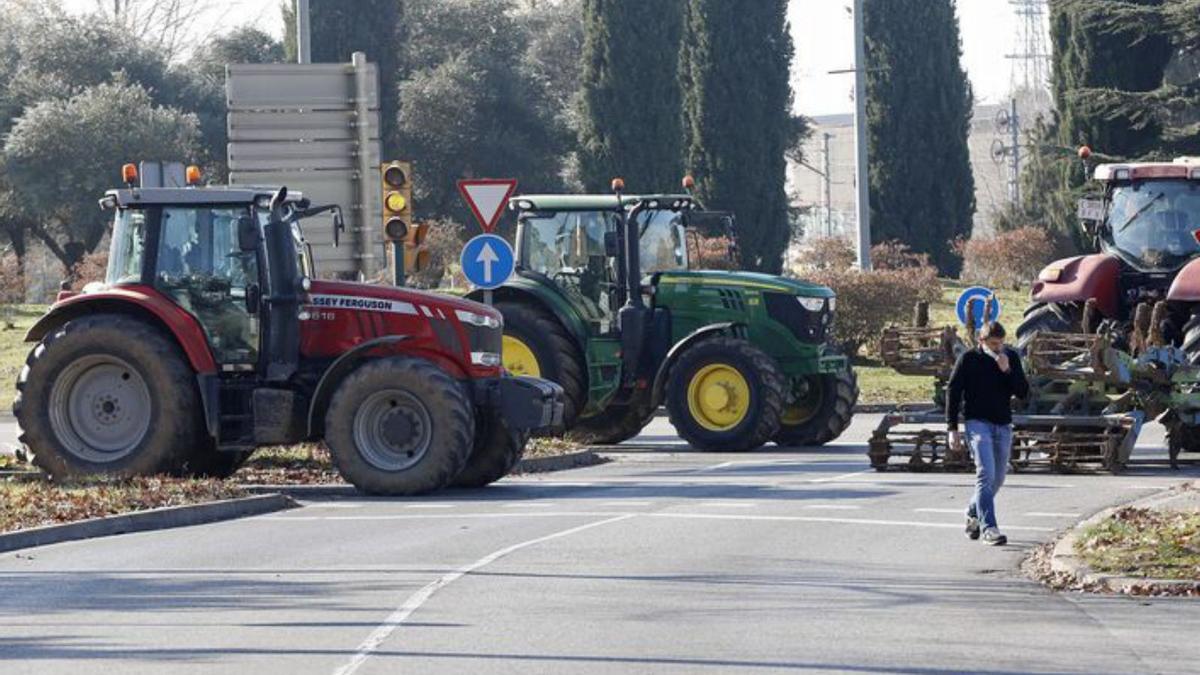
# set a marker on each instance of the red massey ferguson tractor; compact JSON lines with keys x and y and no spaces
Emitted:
{"x":211,"y":337}
{"x":1147,"y":271}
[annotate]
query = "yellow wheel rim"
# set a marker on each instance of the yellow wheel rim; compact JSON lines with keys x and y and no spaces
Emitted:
{"x":718,"y":397}
{"x":518,"y":358}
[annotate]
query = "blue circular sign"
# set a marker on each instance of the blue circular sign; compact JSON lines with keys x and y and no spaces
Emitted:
{"x":487,"y":261}
{"x":976,"y":297}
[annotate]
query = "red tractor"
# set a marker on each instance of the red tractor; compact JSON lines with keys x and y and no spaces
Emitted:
{"x":1147,"y":227}
{"x":211,"y":337}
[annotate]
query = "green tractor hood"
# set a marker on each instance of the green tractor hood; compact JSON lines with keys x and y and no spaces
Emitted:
{"x":754,"y":280}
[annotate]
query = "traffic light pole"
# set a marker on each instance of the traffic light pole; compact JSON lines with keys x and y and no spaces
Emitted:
{"x":303,"y":34}
{"x":397,"y":263}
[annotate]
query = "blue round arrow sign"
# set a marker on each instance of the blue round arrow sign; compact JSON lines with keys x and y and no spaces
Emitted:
{"x":976,"y":297}
{"x":487,"y":261}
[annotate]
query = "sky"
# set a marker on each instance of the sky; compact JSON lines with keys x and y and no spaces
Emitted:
{"x":821,"y":29}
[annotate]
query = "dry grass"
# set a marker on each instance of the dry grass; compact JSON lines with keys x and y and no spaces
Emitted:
{"x":1148,"y":543}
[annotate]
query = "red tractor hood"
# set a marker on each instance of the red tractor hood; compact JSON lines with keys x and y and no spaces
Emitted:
{"x":376,"y":297}
{"x":1079,"y":279}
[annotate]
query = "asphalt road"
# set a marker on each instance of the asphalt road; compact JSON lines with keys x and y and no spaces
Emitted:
{"x":666,"y":561}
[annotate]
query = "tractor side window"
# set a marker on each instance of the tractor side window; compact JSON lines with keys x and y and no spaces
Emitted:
{"x":662,"y":247}
{"x":126,"y":252}
{"x":202,"y":267}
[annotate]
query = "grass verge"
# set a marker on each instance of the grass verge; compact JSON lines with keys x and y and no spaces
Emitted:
{"x":15,"y":321}
{"x":1146,"y":543}
{"x":34,"y":503}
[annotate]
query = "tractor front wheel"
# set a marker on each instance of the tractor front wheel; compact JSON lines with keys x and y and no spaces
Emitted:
{"x":537,"y":345}
{"x":496,"y":452}
{"x":821,"y":411}
{"x":725,"y":394}
{"x":399,"y":426}
{"x":106,"y":394}
{"x":1050,"y":318}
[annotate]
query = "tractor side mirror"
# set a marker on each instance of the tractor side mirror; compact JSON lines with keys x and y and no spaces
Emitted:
{"x":1091,"y":216}
{"x":339,"y":226}
{"x":612,"y":247}
{"x":247,"y":234}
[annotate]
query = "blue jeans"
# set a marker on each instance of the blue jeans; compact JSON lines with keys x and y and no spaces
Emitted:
{"x":991,"y":446}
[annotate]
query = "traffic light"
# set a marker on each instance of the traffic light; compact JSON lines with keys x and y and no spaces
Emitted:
{"x":397,"y":200}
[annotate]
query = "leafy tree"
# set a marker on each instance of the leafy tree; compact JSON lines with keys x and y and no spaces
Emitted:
{"x":341,"y":27}
{"x":629,"y":119}
{"x":737,"y":123}
{"x":242,"y":45}
{"x":469,"y":108}
{"x":919,"y":105}
{"x":62,"y":153}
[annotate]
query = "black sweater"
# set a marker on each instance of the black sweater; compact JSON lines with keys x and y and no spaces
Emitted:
{"x":986,"y":391}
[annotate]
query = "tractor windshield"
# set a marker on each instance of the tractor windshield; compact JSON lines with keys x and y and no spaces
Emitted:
{"x":662,"y":241}
{"x":1154,"y":225}
{"x":566,"y":241}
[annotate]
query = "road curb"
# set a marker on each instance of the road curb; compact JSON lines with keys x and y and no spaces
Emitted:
{"x":143,"y":521}
{"x":574,"y":460}
{"x":1065,"y":562}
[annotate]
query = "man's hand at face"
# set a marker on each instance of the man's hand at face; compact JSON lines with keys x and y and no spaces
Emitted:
{"x":1002,"y":361}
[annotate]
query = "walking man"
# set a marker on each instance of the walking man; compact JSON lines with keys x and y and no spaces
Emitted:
{"x":983,"y":383}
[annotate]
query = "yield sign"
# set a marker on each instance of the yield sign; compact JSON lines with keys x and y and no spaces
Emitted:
{"x":487,"y":197}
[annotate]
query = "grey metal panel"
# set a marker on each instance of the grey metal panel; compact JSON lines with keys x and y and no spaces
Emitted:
{"x":317,"y":86}
{"x":288,"y":156}
{"x":297,"y":125}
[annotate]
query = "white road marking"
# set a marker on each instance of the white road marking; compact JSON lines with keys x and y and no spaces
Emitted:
{"x":837,"y":479}
{"x":528,"y":505}
{"x":414,"y":601}
{"x":631,"y":503}
{"x":454,"y":516}
{"x":833,"y":507}
{"x":958,"y":511}
{"x":429,"y":506}
{"x":817,"y":519}
{"x":729,"y":505}
{"x":715,"y":467}
{"x":1051,"y":514}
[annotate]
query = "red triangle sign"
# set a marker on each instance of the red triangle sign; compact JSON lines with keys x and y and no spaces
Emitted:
{"x":487,"y":198}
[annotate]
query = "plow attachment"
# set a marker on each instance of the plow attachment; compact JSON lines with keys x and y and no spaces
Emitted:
{"x":916,"y":440}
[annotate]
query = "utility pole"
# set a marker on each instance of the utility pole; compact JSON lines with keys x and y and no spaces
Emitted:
{"x":303,"y":34}
{"x":862,"y":202}
{"x":828,"y":179}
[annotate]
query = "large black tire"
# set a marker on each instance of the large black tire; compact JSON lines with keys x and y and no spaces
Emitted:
{"x":107,"y":394}
{"x":825,"y":414}
{"x":1050,"y":317}
{"x":615,"y":424}
{"x":558,"y":357}
{"x":759,"y":416}
{"x":1180,"y":439}
{"x":399,"y":426}
{"x":1191,"y":339}
{"x":496,"y":451}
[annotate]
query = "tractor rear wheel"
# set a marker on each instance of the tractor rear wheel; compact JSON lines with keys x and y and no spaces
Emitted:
{"x":725,"y":394}
{"x":106,"y":394}
{"x":822,"y":413}
{"x":615,"y":424}
{"x":1051,"y":318}
{"x":399,"y":426}
{"x":536,"y":344}
{"x":496,"y":452}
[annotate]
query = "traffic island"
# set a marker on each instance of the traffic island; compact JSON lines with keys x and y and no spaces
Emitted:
{"x":38,"y":512}
{"x":1148,"y":548}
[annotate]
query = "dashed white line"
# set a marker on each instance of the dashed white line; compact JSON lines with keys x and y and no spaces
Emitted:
{"x":414,"y":601}
{"x":831,"y":520}
{"x":837,"y":479}
{"x":958,"y":511}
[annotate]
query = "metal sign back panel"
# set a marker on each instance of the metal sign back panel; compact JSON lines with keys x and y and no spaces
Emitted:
{"x":297,"y":125}
{"x":314,"y":86}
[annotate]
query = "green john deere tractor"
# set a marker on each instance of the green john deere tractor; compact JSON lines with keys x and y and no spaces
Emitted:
{"x":605,"y":302}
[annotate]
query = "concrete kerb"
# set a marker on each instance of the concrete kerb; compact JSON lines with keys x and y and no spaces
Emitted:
{"x":143,"y":521}
{"x":1064,"y":561}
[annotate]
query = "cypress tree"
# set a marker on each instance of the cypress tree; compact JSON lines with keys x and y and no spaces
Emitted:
{"x":737,"y":117}
{"x":341,"y":27}
{"x":630,"y":101}
{"x":919,"y":106}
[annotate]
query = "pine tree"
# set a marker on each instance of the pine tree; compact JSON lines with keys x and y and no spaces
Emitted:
{"x":919,"y":106}
{"x":341,"y":27}
{"x":629,"y":105}
{"x":737,"y":118}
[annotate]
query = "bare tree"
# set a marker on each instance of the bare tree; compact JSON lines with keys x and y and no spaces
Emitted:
{"x":169,"y":25}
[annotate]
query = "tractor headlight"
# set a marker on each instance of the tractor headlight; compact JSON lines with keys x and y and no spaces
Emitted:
{"x":812,"y":304}
{"x":833,"y":304}
{"x":1050,"y":274}
{"x":477,"y":319}
{"x":489,"y":359}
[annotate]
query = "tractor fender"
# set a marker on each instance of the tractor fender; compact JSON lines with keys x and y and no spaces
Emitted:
{"x":139,"y":301}
{"x":340,"y":367}
{"x":1186,"y":286}
{"x":660,"y":378}
{"x":1080,"y":279}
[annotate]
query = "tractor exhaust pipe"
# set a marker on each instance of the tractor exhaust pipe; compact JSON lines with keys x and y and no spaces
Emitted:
{"x":632,"y":317}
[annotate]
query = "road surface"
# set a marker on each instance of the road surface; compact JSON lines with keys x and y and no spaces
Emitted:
{"x":665,"y":561}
